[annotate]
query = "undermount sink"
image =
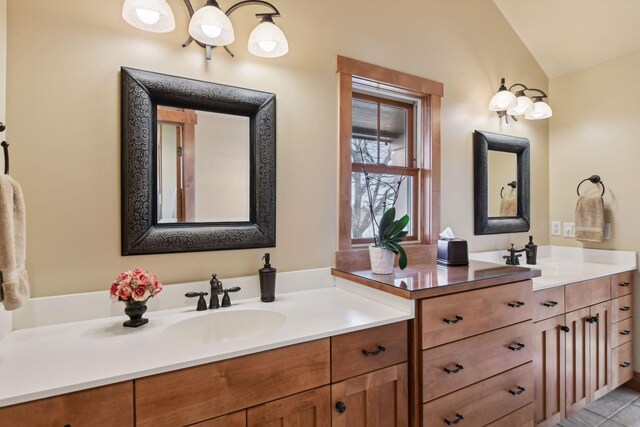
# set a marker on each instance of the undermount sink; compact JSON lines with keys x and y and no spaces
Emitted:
{"x":222,"y":326}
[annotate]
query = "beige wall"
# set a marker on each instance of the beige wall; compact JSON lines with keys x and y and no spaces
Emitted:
{"x":63,"y":105}
{"x":595,"y":130}
{"x":5,"y":317}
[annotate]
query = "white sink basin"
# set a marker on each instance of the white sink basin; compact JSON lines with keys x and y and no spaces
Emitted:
{"x":222,"y":326}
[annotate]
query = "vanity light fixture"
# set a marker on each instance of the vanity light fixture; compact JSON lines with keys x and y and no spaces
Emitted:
{"x":210,"y":26}
{"x":507,"y":103}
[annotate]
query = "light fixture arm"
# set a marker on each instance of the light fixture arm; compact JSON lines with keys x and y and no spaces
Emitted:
{"x":208,"y":48}
{"x":518,"y":84}
{"x":544,"y":95}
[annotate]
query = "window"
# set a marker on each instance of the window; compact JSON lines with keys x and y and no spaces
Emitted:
{"x":383,"y":143}
{"x":390,"y":125}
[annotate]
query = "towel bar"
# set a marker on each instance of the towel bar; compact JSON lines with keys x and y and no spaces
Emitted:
{"x":595,"y":179}
{"x":511,"y":184}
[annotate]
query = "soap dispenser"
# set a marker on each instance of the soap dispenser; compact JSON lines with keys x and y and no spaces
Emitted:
{"x":531,"y":251}
{"x":267,"y":280}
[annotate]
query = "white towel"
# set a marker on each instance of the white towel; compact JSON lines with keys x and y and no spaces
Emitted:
{"x":14,"y":289}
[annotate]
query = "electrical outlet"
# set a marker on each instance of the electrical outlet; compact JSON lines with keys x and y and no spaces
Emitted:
{"x":607,"y":231}
{"x":556,"y":228}
{"x":569,"y":229}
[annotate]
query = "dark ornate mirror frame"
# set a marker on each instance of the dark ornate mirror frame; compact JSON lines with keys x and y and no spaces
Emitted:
{"x":141,"y":93}
{"x":483,"y":142}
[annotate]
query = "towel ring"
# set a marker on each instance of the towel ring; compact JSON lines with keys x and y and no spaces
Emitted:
{"x":511,"y":184}
{"x":595,"y":179}
{"x":5,"y":148}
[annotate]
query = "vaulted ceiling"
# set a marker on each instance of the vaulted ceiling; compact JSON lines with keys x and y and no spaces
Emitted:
{"x":569,"y":35}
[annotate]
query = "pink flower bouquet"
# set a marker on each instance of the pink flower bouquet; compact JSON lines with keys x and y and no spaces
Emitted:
{"x":135,"y":285}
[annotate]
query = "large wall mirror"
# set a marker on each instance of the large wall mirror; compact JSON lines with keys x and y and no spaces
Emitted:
{"x":501,"y":183}
{"x":198,"y":165}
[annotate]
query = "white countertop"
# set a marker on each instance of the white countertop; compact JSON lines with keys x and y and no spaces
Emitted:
{"x":49,"y":360}
{"x":562,"y":265}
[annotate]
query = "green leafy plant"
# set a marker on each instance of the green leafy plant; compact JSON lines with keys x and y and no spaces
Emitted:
{"x":390,"y":231}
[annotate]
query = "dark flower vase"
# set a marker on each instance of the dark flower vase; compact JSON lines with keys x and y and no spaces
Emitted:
{"x":135,"y":310}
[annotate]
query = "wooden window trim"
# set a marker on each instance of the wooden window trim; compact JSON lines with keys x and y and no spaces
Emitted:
{"x":430,"y":93}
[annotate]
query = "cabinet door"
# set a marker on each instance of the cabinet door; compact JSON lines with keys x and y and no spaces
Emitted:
{"x":577,"y":361}
{"x":599,"y":350}
{"x":377,"y":399}
{"x":549,"y":371}
{"x":308,"y":409}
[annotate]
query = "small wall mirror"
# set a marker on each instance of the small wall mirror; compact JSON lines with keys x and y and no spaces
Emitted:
{"x":198,"y":165}
{"x":501,"y":175}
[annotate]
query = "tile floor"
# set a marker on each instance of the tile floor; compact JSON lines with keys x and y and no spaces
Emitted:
{"x":619,"y":408}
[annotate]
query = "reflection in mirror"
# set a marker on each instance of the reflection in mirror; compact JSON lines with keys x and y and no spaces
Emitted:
{"x":203,"y":166}
{"x":503,"y":192}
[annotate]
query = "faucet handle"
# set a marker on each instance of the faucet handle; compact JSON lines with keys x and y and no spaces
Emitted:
{"x":226,"y":301}
{"x":234,"y":289}
{"x":202,"y":304}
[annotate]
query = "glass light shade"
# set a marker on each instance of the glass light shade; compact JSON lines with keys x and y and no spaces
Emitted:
{"x":209,"y":25}
{"x":524,"y":105}
{"x":541,"y":110}
{"x":503,"y":100}
{"x":268,"y":41}
{"x":155,"y":16}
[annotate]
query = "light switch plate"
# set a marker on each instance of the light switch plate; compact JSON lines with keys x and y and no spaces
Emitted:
{"x":607,"y":231}
{"x":569,"y":229}
{"x":556,"y":228}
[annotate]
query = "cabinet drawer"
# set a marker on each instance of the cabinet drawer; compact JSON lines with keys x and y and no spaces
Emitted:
{"x":456,"y":365}
{"x":621,"y":308}
{"x":385,"y":346}
{"x":621,"y":332}
{"x":484,"y":402}
{"x":523,"y":417}
{"x":622,"y":361}
{"x":203,"y":392}
{"x":107,"y":406}
{"x":621,"y":284}
{"x":453,"y":317}
{"x":548,"y":303}
{"x":589,"y":292}
{"x":237,"y":419}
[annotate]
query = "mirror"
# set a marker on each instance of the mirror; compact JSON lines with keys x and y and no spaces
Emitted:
{"x":198,"y":165}
{"x":203,"y":166}
{"x":501,"y":183}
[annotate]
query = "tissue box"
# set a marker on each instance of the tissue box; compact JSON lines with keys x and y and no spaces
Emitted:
{"x":453,"y":252}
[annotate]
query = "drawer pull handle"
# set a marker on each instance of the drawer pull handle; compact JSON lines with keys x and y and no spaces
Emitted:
{"x":592,"y":319}
{"x":518,"y":390}
{"x":625,"y":308}
{"x":625,"y":284}
{"x":625,"y":365}
{"x":516,"y":304}
{"x":456,"y":420}
{"x":341,"y":407}
{"x":375,"y":352}
{"x":457,"y":368}
{"x":564,"y":328}
{"x":453,"y":321}
{"x":517,"y":346}
{"x":550,"y":303}
{"x":625,"y":332}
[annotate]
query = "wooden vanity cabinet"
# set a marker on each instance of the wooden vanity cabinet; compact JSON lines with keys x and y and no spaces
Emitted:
{"x":549,"y":371}
{"x":106,"y":406}
{"x":308,"y":409}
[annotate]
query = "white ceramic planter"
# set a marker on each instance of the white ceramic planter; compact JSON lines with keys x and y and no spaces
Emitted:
{"x":381,"y":260}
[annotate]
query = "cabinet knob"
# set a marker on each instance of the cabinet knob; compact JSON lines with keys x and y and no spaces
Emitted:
{"x":518,"y":390}
{"x":375,"y":352}
{"x":456,"y":420}
{"x":625,"y":332}
{"x":341,"y":407}
{"x":516,"y":304}
{"x":455,"y":369}
{"x":453,"y":321}
{"x":625,"y":284}
{"x":564,"y":328}
{"x":550,"y":303}
{"x":516,"y":346}
{"x":592,"y":319}
{"x":625,"y":365}
{"x":625,"y":308}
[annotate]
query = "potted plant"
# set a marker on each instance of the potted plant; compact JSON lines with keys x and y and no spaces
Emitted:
{"x":135,"y":287}
{"x":389,"y":231}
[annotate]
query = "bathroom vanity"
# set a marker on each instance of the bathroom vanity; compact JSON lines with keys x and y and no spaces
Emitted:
{"x":480,"y":345}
